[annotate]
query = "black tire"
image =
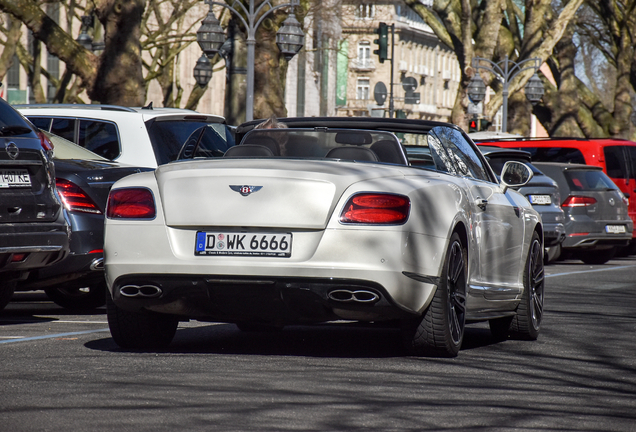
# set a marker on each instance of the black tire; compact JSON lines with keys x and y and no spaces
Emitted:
{"x":527,"y":322}
{"x":441,"y":329}
{"x":6,"y":292}
{"x":596,"y":256}
{"x":140,"y":330}
{"x":78,"y":298}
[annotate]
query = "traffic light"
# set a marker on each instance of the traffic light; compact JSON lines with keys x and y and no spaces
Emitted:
{"x":473,"y":125}
{"x":382,"y":41}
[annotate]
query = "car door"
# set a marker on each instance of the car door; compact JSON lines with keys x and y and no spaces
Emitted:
{"x":497,"y":223}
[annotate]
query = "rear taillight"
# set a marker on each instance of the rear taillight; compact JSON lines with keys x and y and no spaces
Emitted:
{"x":133,"y":203}
{"x":374,"y":208}
{"x":45,"y":142}
{"x":74,"y":197}
{"x":578,"y":201}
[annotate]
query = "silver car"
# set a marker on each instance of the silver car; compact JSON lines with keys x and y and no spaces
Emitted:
{"x":542,"y":192}
{"x":597,"y":221}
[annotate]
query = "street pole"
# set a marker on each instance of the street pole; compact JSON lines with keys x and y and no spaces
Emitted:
{"x":251,"y":18}
{"x":391,"y":106}
{"x":505,"y":71}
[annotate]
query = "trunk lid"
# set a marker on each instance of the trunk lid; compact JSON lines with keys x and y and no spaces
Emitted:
{"x":280,"y":193}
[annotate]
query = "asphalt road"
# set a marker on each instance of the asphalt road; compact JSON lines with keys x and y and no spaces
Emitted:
{"x":62,"y":372}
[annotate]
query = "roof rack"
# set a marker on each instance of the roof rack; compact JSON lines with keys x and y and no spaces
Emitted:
{"x":78,"y":106}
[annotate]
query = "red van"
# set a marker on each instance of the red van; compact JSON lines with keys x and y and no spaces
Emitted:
{"x":617,"y":157}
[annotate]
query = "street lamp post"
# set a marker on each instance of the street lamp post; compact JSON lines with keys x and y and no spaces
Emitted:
{"x":505,"y":71}
{"x":289,"y":38}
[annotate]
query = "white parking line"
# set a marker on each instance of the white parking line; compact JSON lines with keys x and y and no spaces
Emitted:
{"x":53,"y":336}
{"x":590,"y":271}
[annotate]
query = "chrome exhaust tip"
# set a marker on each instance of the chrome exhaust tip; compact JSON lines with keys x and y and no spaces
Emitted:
{"x":147,"y":291}
{"x":97,"y":264}
{"x":355,"y":296}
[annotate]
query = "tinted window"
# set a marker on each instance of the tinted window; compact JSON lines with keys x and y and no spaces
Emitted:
{"x":12,"y":123}
{"x":100,"y":138}
{"x":64,"y":127}
{"x":631,"y":161}
{"x":615,"y":162}
{"x":555,"y":154}
{"x":43,"y":123}
{"x":580,"y":180}
{"x":169,"y":136}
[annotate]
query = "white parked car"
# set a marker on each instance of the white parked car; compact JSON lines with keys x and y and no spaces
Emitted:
{"x":314,"y":225}
{"x":145,"y":137}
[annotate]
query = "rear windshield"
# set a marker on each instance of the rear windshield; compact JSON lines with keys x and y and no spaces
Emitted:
{"x":169,"y":136}
{"x":554,"y":154}
{"x":12,"y":123}
{"x":583,"y":180}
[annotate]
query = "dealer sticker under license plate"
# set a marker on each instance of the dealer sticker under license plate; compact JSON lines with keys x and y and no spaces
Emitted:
{"x":615,"y":229}
{"x":10,"y":178}
{"x":245,"y":244}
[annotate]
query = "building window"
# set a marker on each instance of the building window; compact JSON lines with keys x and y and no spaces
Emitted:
{"x":13,"y":74}
{"x":365,"y":11}
{"x":363,"y":89}
{"x":364,"y":54}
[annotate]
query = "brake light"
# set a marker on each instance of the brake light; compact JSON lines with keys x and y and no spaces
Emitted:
{"x":375,"y":208}
{"x":578,"y":201}
{"x":45,"y":142}
{"x":74,"y":197}
{"x":133,"y":203}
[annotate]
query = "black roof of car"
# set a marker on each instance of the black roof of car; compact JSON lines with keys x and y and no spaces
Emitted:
{"x":504,"y":152}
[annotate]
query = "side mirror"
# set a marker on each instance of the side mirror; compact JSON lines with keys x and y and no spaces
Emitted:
{"x":515,"y":174}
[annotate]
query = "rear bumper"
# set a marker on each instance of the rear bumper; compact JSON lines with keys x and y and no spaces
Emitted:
{"x":36,"y":244}
{"x":553,"y":233}
{"x":267,"y":300}
{"x":83,"y":265}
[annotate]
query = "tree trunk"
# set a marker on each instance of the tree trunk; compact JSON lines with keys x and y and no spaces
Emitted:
{"x":119,"y":79}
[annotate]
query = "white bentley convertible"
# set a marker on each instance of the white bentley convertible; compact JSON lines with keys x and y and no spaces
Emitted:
{"x":311,"y":225}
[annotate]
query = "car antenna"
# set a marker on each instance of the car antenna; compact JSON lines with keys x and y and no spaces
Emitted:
{"x":149,"y":106}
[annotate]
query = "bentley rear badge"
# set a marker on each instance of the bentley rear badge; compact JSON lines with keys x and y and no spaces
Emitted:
{"x":245,"y":190}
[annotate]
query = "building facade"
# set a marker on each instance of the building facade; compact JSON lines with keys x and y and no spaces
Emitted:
{"x":354,"y":82}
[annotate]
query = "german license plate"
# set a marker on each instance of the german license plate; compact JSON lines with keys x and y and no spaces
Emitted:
{"x":245,"y":244}
{"x":11,"y":178}
{"x":615,"y":229}
{"x":540,"y":199}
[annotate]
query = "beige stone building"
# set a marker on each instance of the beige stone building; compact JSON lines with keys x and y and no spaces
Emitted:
{"x":339,"y":74}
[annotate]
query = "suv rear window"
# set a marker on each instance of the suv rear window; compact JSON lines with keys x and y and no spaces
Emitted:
{"x":583,"y":180}
{"x":555,"y":154}
{"x":168,"y":137}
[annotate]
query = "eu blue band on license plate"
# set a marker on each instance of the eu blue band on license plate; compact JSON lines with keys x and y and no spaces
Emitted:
{"x":243,"y":244}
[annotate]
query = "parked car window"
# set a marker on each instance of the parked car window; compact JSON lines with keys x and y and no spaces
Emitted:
{"x":169,"y":136}
{"x":555,"y":154}
{"x":100,"y":138}
{"x":458,"y":152}
{"x":631,"y":161}
{"x":43,"y":123}
{"x":615,"y":162}
{"x":589,"y":180}
{"x":64,"y":127}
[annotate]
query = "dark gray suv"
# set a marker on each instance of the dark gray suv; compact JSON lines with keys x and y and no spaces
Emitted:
{"x":33,"y":228}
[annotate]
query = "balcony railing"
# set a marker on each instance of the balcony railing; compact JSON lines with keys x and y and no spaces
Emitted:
{"x":363,"y":64}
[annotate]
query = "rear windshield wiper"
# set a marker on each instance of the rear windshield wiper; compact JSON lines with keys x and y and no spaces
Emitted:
{"x":12,"y":130}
